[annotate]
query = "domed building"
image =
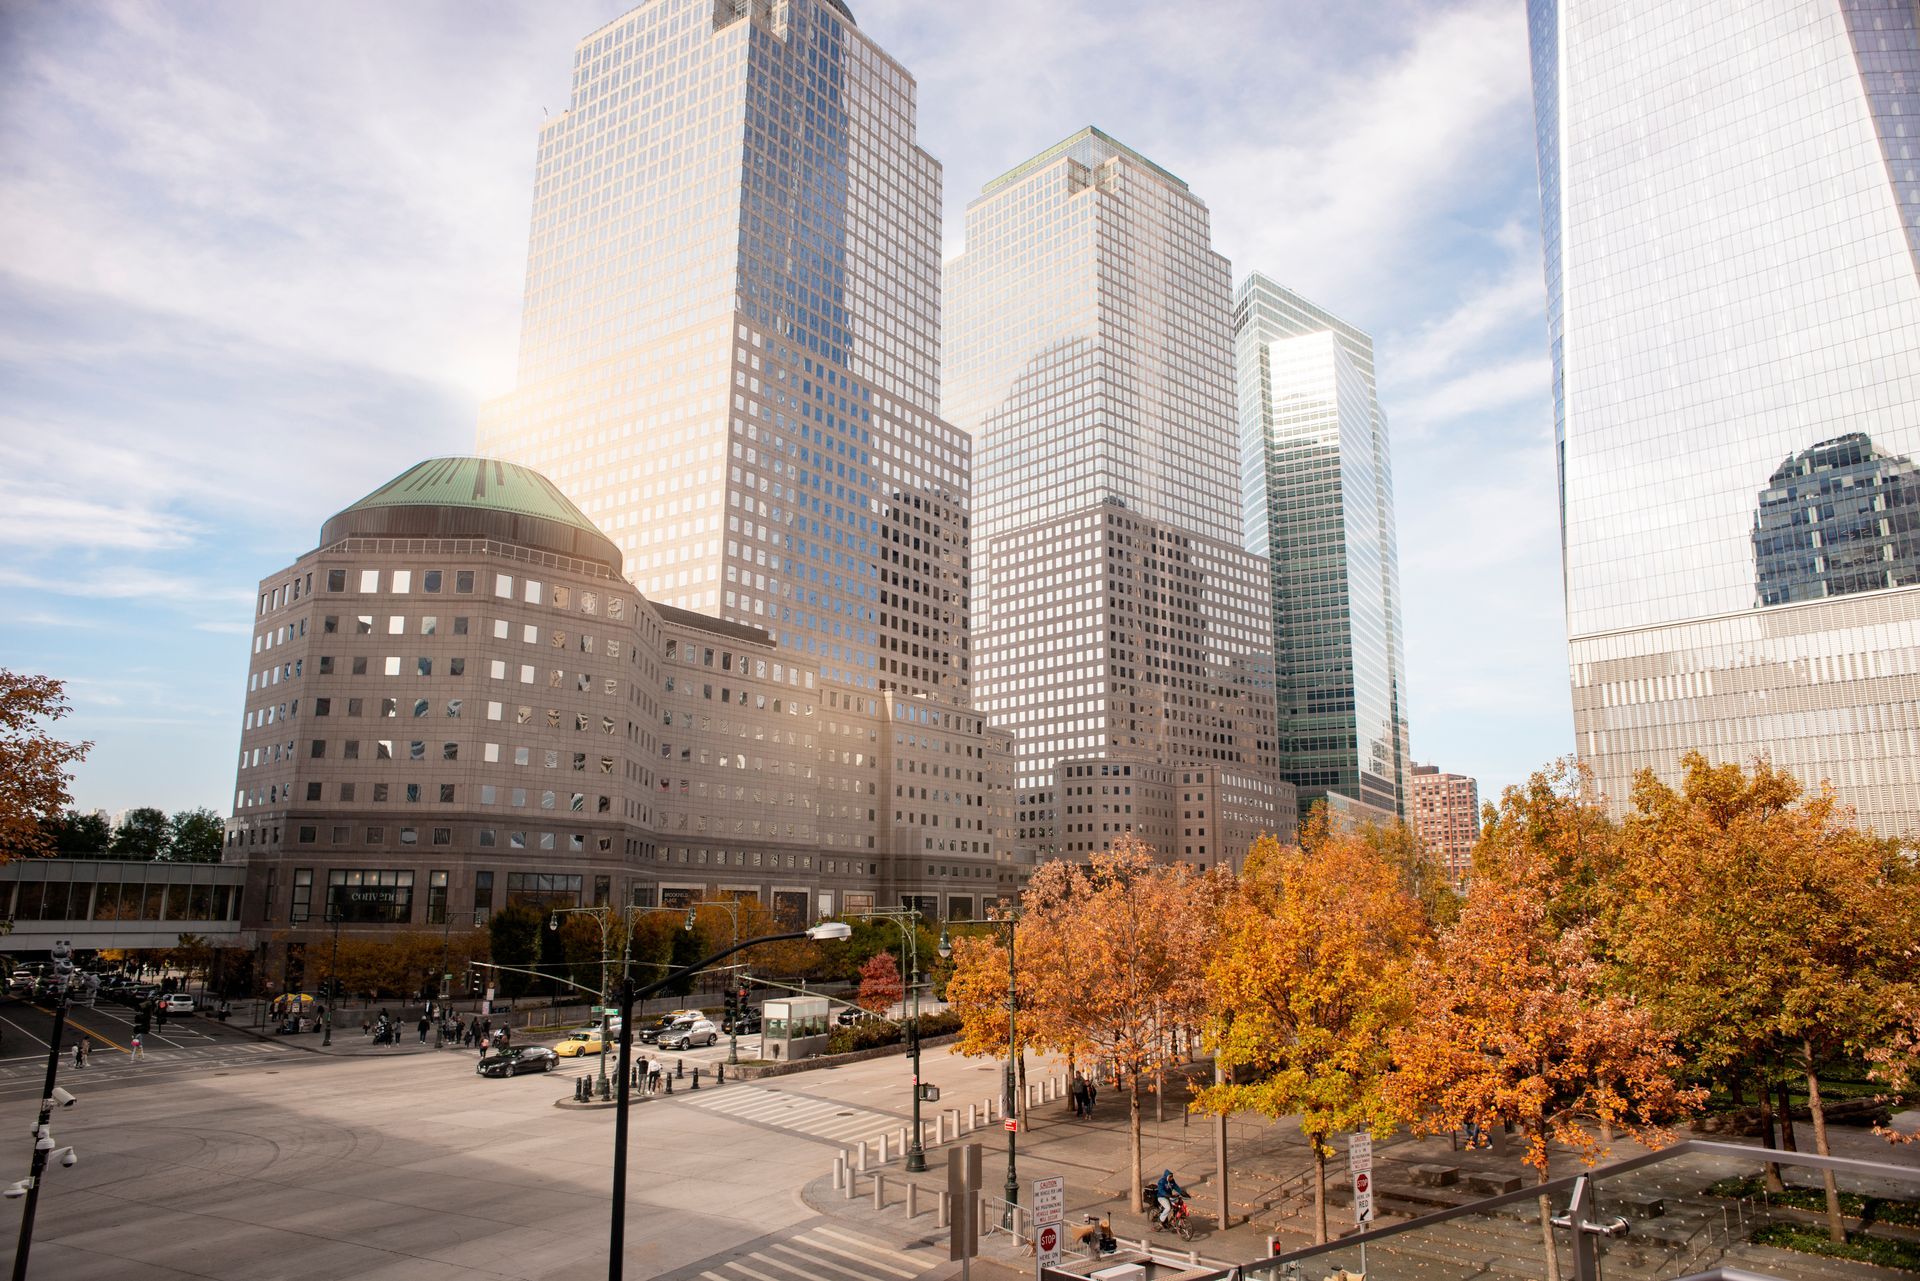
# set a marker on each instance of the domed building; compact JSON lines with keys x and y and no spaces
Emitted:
{"x":456,"y":702}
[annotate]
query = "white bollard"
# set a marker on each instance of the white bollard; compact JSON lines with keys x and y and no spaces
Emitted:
{"x":913,"y":1201}
{"x":863,"y":1156}
{"x":954,"y":1115}
{"x":903,"y":1140}
{"x":973,"y":1119}
{"x":943,"y":1209}
{"x":879,"y":1191}
{"x":882,"y":1140}
{"x":839,"y":1172}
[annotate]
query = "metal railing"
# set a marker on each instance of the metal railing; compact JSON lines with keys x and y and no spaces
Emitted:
{"x":1601,"y":1212}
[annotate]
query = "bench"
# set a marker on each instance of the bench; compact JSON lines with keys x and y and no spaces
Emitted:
{"x":1493,"y":1184}
{"x":1435,"y":1176}
{"x":1643,"y":1207}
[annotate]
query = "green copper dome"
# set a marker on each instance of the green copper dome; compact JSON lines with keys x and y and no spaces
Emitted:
{"x":475,"y":498}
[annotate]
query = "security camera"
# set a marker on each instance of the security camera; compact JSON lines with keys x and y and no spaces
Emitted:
{"x":63,"y":1098}
{"x":68,"y":1157}
{"x":17,"y":1190}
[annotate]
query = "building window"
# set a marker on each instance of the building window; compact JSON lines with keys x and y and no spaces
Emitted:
{"x":482,"y":896}
{"x":436,"y":889}
{"x":336,"y":580}
{"x":370,"y":894}
{"x":302,"y":894}
{"x":543,"y":888}
{"x":308,"y":834}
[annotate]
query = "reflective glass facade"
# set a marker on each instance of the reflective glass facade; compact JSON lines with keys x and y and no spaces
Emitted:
{"x":1124,"y":628}
{"x":730,"y":349}
{"x":1729,"y":201}
{"x":1317,"y":500}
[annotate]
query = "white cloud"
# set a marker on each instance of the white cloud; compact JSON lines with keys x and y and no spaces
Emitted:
{"x":1479,"y":391}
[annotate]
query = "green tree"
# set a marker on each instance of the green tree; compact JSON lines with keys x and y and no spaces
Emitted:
{"x":34,"y":765}
{"x":76,"y":833}
{"x":143,"y":834}
{"x":513,"y":937}
{"x":195,"y":836}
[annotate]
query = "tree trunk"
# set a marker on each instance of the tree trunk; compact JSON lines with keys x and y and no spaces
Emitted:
{"x":1159,"y":1092}
{"x":1788,"y":1140}
{"x":1836,"y":1227}
{"x":1546,"y":1223}
{"x":1772,"y":1168}
{"x":1319,"y":1189}
{"x":1133,"y":1137}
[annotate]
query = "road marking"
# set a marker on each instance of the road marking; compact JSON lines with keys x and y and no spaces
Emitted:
{"x":875,"y":1246}
{"x":874,"y":1263}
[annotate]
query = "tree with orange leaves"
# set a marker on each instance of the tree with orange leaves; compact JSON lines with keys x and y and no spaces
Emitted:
{"x":1514,"y":1020}
{"x":1308,"y":975}
{"x":1112,"y":958}
{"x":880,"y":985}
{"x":1762,"y":925}
{"x":34,"y":765}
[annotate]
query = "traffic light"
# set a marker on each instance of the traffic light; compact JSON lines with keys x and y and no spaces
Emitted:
{"x":733,"y":1005}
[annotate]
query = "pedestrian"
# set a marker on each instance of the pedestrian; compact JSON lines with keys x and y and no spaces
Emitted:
{"x":426,"y":1025}
{"x":366,"y":1026}
{"x":86,"y":1053}
{"x":79,"y":1054}
{"x":138,"y":1053}
{"x":506,"y":1036}
{"x":653,"y":1077}
{"x":1077,"y":1095}
{"x":1091,"y":1094}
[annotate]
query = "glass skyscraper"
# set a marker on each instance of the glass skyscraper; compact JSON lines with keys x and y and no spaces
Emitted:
{"x":1317,"y":501}
{"x":1731,"y":214}
{"x":1125,"y":636}
{"x":729,"y":356}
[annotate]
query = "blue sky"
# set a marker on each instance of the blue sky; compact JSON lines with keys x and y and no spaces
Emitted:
{"x":256,"y":259}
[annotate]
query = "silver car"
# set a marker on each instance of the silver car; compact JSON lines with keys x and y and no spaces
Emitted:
{"x":688,"y":1033}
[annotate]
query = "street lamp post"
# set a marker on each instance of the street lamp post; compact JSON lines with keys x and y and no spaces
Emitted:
{"x":617,"y":1233}
{"x":42,"y":1132}
{"x":908,"y":919}
{"x":733,"y":910}
{"x":1013,"y":1105}
{"x":333,"y":980}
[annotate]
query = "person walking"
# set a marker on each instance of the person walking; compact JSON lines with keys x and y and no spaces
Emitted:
{"x":86,"y":1053}
{"x":138,"y":1053}
{"x":426,"y":1025}
{"x":1077,"y":1095}
{"x":79,"y":1054}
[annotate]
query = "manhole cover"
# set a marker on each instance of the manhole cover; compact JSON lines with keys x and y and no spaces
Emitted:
{"x":843,"y":1114}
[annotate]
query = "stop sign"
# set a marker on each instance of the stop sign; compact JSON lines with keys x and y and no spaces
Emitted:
{"x":1362,"y":1181}
{"x":1049,"y":1237}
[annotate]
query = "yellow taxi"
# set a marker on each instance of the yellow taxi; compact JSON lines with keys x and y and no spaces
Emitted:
{"x":586,"y":1041}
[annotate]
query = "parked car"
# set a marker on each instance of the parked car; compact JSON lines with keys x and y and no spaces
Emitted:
{"x":531,"y":1058}
{"x":21,"y":984}
{"x":586,"y":1041}
{"x":177,"y":1003}
{"x":854,"y":1014}
{"x":688,"y":1033}
{"x":745,"y":1023}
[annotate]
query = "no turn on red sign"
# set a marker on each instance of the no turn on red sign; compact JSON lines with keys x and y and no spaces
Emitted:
{"x":1047,"y":1241}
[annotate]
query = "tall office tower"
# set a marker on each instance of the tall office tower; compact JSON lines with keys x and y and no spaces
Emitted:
{"x":1317,"y":500}
{"x":1125,"y":637}
{"x":729,"y":356}
{"x":1730,"y":202}
{"x":1446,"y":816}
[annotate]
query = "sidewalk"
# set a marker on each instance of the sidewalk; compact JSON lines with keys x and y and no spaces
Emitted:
{"x":1270,"y":1168}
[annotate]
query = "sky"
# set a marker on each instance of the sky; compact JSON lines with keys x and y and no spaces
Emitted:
{"x":257,"y":259}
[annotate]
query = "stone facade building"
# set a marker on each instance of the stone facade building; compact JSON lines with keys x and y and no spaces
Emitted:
{"x":456,"y":702}
{"x":1446,"y":817}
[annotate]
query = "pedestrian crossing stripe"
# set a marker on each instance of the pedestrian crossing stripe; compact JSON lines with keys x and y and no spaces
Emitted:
{"x":822,"y":1253}
{"x":839,"y":1122}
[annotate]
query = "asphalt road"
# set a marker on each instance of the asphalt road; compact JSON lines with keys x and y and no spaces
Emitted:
{"x":273,"y":1162}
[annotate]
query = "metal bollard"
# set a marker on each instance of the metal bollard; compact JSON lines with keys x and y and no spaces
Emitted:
{"x":903,"y":1140}
{"x":851,"y":1190}
{"x":606,"y":1089}
{"x":696,"y":1078}
{"x":863,"y":1156}
{"x":879,"y":1191}
{"x":720,"y":1075}
{"x":973,"y":1122}
{"x":943,"y":1209}
{"x":913,"y":1201}
{"x":669,"y":1083}
{"x":680,"y":1067}
{"x":839,"y":1172}
{"x":883,"y":1149}
{"x":954,"y":1113}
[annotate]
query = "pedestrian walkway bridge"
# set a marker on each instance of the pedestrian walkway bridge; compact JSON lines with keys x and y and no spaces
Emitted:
{"x":122,"y":903}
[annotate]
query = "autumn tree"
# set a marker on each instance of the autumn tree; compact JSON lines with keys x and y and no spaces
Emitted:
{"x":880,"y":985}
{"x":1763,"y":927}
{"x":1112,"y":959}
{"x":1308,"y":975}
{"x":1514,"y":1020}
{"x":35,"y":767}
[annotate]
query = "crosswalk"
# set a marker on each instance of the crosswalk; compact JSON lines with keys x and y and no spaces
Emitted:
{"x":823,"y":1253}
{"x":840,"y":1124}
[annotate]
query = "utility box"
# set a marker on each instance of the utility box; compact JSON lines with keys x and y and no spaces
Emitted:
{"x":794,"y":1027}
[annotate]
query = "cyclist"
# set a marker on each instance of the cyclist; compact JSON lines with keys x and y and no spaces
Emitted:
{"x":1165,"y":1191}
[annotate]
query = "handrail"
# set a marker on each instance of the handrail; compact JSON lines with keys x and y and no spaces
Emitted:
{"x":1565,"y":1183}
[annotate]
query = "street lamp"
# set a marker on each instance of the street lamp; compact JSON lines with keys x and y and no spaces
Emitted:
{"x":733,"y":910}
{"x":946,"y":950}
{"x":333,"y":980}
{"x":908,"y":919}
{"x":43,"y":1149}
{"x":616,"y":1261}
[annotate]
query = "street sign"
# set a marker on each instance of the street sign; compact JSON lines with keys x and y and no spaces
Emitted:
{"x":1047,"y":1238}
{"x":1049,"y":1200}
{"x":1012,"y":1124}
{"x":929,"y":1093}
{"x":1360,"y":1168}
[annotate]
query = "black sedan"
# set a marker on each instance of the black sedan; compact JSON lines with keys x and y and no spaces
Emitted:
{"x":745,"y":1024}
{"x":532,"y":1058}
